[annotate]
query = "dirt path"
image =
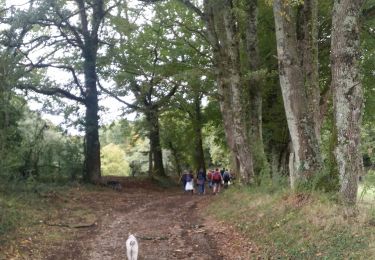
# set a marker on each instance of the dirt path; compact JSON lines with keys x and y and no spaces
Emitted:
{"x":168,"y":224}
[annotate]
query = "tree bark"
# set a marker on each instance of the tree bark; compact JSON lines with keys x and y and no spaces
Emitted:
{"x":92,"y":149}
{"x":223,"y":34}
{"x":176,"y":157}
{"x":306,"y":155}
{"x":155,"y":147}
{"x":89,"y":52}
{"x":199,"y":153}
{"x":347,"y":95}
{"x":254,"y":87}
{"x":308,"y":44}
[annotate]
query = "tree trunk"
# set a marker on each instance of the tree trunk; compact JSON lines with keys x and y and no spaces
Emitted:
{"x":199,"y":153}
{"x":254,"y":87}
{"x":89,"y":52}
{"x":306,"y":158}
{"x":92,"y":145}
{"x":155,"y":147}
{"x":150,"y":162}
{"x":283,"y":159}
{"x":176,"y":157}
{"x":308,"y":44}
{"x":347,"y":95}
{"x":223,"y":34}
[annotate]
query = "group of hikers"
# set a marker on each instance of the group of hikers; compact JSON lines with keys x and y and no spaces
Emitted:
{"x":215,"y":179}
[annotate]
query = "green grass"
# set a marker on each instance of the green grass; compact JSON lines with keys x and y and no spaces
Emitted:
{"x":366,"y":190}
{"x":9,"y":219}
{"x":297,"y":226}
{"x":25,"y":208}
{"x":366,"y":194}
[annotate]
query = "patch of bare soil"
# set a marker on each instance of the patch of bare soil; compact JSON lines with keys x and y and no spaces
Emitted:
{"x":168,"y":224}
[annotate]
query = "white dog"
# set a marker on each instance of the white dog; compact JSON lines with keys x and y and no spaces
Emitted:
{"x":132,"y":247}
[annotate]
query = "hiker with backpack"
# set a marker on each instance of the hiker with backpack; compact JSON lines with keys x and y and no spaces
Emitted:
{"x":216,"y":181}
{"x":209,"y":177}
{"x":183,"y":179}
{"x":201,"y":180}
{"x":226,"y":178}
{"x":189,"y":186}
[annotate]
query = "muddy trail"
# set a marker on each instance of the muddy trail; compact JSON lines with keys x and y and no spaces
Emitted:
{"x":167,"y":223}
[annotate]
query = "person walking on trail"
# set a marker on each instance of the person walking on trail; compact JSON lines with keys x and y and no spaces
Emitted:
{"x":183,"y":179}
{"x":216,"y":181}
{"x":189,"y":186}
{"x":226,"y":178}
{"x":201,"y":181}
{"x":222,"y":171}
{"x":209,"y":178}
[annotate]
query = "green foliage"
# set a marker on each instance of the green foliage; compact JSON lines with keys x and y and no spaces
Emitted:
{"x":367,"y":191}
{"x":125,"y":148}
{"x":137,"y":150}
{"x":34,"y":147}
{"x":25,"y":207}
{"x":368,"y":64}
{"x":9,"y":218}
{"x":47,"y":153}
{"x":11,"y":113}
{"x":368,"y":144}
{"x":117,"y":132}
{"x":214,"y":133}
{"x":113,"y":161}
{"x":177,"y":135}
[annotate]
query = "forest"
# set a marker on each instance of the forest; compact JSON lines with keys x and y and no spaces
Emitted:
{"x":281,"y":92}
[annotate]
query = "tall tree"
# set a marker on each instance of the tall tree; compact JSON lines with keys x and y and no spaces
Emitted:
{"x":190,"y":102}
{"x":147,"y":68}
{"x":347,"y":94}
{"x":253,"y":75}
{"x":192,"y":45}
{"x":223,"y":35}
{"x":65,"y":36}
{"x":307,"y":36}
{"x":305,"y":160}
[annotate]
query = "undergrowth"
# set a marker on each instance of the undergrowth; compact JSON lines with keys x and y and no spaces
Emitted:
{"x":24,"y":205}
{"x":304,"y":225}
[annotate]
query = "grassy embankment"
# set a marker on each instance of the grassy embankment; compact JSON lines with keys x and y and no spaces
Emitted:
{"x":284,"y":225}
{"x":34,"y":218}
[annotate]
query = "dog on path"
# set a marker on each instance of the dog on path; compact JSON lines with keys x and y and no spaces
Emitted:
{"x":132,"y":247}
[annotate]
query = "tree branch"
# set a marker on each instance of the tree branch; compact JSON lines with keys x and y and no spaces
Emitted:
{"x":167,"y":97}
{"x":98,"y":16}
{"x":84,"y":21}
{"x":187,"y":3}
{"x":65,"y":67}
{"x":194,"y":8}
{"x":52,"y":92}
{"x":75,"y":31}
{"x":193,"y":30}
{"x":132,"y":106}
{"x":205,"y":55}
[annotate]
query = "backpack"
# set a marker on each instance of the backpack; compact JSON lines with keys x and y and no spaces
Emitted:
{"x":200,"y":176}
{"x":188,"y":178}
{"x":216,"y":176}
{"x":226,"y":176}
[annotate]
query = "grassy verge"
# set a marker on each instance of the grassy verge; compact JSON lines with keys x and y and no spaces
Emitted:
{"x":297,"y":226}
{"x":31,"y":215}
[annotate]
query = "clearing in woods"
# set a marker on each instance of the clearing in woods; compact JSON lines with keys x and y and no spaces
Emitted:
{"x":167,"y":223}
